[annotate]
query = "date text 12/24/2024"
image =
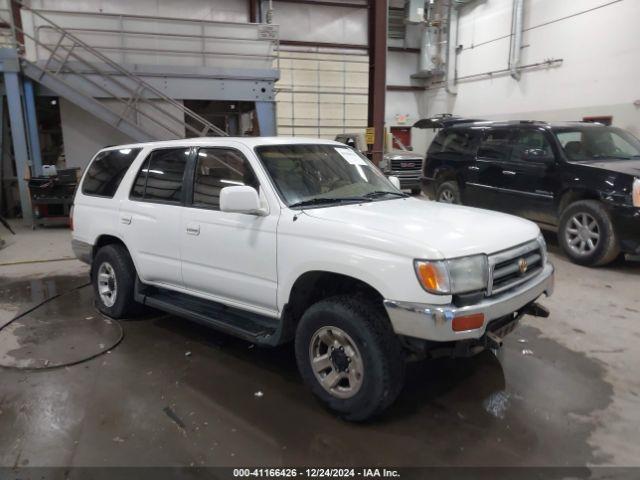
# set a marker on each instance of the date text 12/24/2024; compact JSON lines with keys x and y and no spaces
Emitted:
{"x":315,"y":473}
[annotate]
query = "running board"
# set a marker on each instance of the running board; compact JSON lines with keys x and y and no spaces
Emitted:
{"x":249,"y":326}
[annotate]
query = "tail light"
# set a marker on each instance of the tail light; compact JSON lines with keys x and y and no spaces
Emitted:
{"x":636,"y":192}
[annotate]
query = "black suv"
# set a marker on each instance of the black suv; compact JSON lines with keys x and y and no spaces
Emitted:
{"x":579,"y":179}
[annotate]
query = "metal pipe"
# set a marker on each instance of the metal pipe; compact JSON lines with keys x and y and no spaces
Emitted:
{"x":452,"y":56}
{"x":516,"y":38}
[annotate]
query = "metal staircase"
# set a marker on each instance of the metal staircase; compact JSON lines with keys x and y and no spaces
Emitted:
{"x":89,"y":79}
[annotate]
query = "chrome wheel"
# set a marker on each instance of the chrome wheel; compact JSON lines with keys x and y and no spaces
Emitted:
{"x":336,"y":362}
{"x":107,"y":284}
{"x":582,"y":234}
{"x":447,"y":196}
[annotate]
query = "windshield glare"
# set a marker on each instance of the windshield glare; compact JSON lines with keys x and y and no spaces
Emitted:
{"x":316,"y":171}
{"x":591,"y":143}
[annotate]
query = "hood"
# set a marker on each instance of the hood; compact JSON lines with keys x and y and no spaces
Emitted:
{"x":627,"y":167}
{"x":402,"y":155}
{"x":426,"y":229}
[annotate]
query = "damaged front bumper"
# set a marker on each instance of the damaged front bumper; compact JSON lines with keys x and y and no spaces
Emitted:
{"x":434,"y":322}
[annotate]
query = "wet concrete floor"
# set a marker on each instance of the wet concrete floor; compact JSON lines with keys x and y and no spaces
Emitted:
{"x":175,"y":393}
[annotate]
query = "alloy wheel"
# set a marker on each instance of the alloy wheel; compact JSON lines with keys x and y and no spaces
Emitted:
{"x":447,"y":196}
{"x":336,"y":362}
{"x":582,"y":234}
{"x":107,"y":284}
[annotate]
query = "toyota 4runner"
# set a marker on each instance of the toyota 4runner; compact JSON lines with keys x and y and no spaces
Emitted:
{"x":288,"y":239}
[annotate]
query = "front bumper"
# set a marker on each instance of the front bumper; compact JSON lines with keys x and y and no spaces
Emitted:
{"x":408,"y":179}
{"x":626,"y":221}
{"x":433,"y":322}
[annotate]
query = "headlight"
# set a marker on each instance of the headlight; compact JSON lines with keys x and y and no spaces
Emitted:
{"x":384,"y":165}
{"x":636,"y":193}
{"x":543,"y":248}
{"x":459,"y":275}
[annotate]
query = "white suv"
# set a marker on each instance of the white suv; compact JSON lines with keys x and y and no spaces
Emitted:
{"x":280,"y":239}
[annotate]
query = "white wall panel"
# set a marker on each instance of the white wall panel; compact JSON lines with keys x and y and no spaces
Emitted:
{"x":599,"y":74}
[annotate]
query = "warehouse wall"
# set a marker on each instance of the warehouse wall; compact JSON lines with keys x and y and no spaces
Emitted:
{"x":598,"y":76}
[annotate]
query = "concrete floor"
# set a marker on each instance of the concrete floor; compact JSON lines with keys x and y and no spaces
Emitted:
{"x":563,"y":390}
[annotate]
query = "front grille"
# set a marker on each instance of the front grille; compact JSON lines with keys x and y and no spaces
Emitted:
{"x":406,"y":164}
{"x":505,"y":267}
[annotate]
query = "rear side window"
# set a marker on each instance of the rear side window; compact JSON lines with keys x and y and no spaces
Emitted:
{"x":457,"y":142}
{"x":217,"y":168}
{"x":106,"y":171}
{"x":160,"y":177}
{"x":496,"y":145}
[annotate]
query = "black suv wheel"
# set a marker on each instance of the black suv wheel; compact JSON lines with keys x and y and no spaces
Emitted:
{"x":113,"y":276}
{"x":586,"y":234}
{"x":448,"y":192}
{"x":349,"y":356}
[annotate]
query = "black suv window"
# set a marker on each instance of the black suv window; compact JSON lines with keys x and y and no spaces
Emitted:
{"x":527,"y":140}
{"x":458,"y":142}
{"x":160,"y":177}
{"x":217,"y":168}
{"x":106,"y":171}
{"x":495,"y":145}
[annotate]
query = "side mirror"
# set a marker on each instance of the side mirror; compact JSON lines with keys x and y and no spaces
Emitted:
{"x":395,"y":181}
{"x":538,"y":155}
{"x":241,"y":199}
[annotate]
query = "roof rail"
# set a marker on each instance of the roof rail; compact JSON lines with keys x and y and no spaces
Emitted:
{"x":443,"y":120}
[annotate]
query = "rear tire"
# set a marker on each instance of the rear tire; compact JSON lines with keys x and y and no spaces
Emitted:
{"x":587,"y":235}
{"x":369,"y":346}
{"x":449,"y":192}
{"x":113,"y":276}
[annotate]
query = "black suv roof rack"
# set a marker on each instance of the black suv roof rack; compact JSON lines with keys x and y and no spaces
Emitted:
{"x":443,"y":120}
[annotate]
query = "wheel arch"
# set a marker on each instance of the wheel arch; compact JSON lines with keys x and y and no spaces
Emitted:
{"x":574,"y":195}
{"x":315,"y":285}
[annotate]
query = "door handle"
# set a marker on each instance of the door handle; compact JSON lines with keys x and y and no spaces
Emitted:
{"x":126,"y":220}
{"x":472,"y":167}
{"x":508,"y":172}
{"x":193,"y":230}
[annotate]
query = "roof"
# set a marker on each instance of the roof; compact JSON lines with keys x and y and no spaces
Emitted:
{"x":223,"y":141}
{"x":510,"y":123}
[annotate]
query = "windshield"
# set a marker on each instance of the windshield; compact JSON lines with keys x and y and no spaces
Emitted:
{"x":317,"y":174}
{"x":591,"y":143}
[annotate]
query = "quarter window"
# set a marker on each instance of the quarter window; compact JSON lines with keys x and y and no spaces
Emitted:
{"x":160,"y":178}
{"x":217,"y":168}
{"x":453,"y":142}
{"x":106,"y":171}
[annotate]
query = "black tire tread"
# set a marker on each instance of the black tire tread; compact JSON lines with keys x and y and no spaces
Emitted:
{"x":120,"y":260}
{"x":611,"y":249}
{"x":386,"y":343}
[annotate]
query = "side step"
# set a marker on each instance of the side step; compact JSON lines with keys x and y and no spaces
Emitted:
{"x":239,"y":323}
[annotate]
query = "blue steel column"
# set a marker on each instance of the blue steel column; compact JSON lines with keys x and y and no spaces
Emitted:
{"x":32,"y":127}
{"x":266,"y":112}
{"x":19,"y":138}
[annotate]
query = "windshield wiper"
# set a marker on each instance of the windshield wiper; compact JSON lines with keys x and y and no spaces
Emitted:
{"x":327,"y":200}
{"x":379,"y":193}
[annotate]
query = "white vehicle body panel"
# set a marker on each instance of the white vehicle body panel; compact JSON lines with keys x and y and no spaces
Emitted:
{"x":253,"y":261}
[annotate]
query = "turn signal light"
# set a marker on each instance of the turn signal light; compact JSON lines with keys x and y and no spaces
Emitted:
{"x":468,"y":322}
{"x":433,"y":276}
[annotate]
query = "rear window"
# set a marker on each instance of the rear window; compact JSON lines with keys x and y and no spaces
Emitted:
{"x":458,"y":142}
{"x":106,"y":171}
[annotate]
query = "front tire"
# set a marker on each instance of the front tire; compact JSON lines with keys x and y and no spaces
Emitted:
{"x":587,"y":235}
{"x":349,"y":356}
{"x":416,"y":191}
{"x":113,"y":276}
{"x":449,"y":192}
